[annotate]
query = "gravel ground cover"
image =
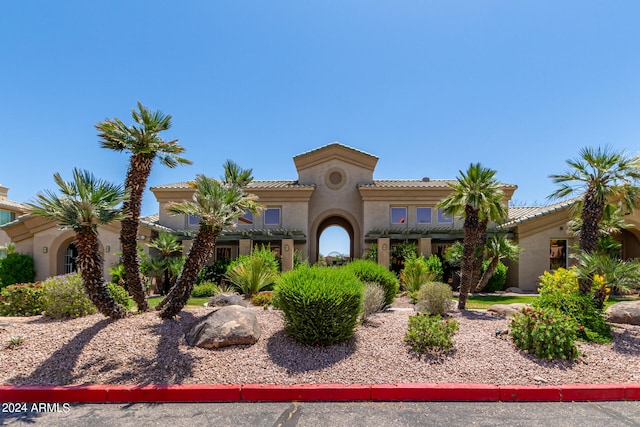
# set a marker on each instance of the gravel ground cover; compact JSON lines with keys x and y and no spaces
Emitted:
{"x":144,"y":349}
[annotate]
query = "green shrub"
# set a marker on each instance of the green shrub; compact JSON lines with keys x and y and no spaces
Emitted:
{"x":64,"y":296}
{"x":262,"y":299}
{"x":400,"y":253}
{"x":559,"y":291}
{"x":16,"y":268}
{"x":372,"y":272}
{"x":215,"y":272}
{"x":119,"y":294}
{"x":498,"y":279}
{"x":434,"y":298}
{"x":205,"y":290}
{"x":435,"y":267}
{"x":415,"y":273}
{"x":253,"y":275}
{"x":320,"y":305}
{"x":24,"y":299}
{"x":545,"y":333}
{"x":430,"y":334}
{"x":264,"y":252}
{"x":373,"y":300}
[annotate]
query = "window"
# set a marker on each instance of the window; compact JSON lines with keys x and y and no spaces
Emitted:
{"x":194,"y":219}
{"x":557,"y":254}
{"x":398,"y":215}
{"x":70,"y":258}
{"x":423,"y":215}
{"x":223,"y":253}
{"x":272,"y":216}
{"x":6,"y":216}
{"x":444,"y":218}
{"x":246,"y":219}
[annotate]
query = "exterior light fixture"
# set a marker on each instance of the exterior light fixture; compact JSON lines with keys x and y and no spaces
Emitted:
{"x":107,"y":248}
{"x":45,"y":249}
{"x":384,"y":247}
{"x":286,"y":248}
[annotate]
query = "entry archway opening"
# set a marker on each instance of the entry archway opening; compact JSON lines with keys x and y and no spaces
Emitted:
{"x":335,"y":239}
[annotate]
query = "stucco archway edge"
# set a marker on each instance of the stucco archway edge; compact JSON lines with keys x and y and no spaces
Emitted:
{"x":335,"y":213}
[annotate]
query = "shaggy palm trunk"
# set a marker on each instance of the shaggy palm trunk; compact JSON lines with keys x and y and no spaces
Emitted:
{"x":592,"y":212}
{"x":470,"y":226}
{"x":198,"y":255}
{"x":166,"y":282}
{"x":136,"y":182}
{"x":90,"y":266}
{"x":481,"y":241}
{"x":488,"y":273}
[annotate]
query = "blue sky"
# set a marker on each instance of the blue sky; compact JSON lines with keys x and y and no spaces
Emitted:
{"x":427,"y":86}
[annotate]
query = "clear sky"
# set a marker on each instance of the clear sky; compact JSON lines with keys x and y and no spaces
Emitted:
{"x":427,"y":86}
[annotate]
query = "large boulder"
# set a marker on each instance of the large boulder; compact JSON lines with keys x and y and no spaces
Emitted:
{"x":225,"y":299}
{"x":624,"y":312}
{"x":225,"y":326}
{"x":507,"y":310}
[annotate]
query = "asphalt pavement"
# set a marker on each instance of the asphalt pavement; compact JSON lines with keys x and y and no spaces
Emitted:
{"x":352,"y":414}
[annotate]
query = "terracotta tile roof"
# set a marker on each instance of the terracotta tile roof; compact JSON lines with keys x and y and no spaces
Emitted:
{"x":153,"y":222}
{"x":520,"y":214}
{"x":265,"y":184}
{"x":324,"y":147}
{"x":407,"y":183}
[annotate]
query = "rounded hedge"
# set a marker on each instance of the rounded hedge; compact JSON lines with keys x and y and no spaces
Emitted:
{"x":321,"y":305}
{"x":372,"y":272}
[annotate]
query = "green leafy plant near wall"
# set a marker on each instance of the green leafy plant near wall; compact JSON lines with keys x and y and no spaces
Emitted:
{"x":16,"y":268}
{"x":24,"y":299}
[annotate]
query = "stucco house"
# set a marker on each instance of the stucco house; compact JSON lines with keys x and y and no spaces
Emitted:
{"x":335,"y":186}
{"x":9,"y":211}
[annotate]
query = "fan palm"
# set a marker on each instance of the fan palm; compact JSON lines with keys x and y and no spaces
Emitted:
{"x":498,"y":248}
{"x":478,"y":198}
{"x":84,"y":204}
{"x":218,"y":204}
{"x":142,"y":140}
{"x":598,"y":176}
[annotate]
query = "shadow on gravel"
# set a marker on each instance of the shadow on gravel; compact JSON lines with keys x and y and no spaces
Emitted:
{"x":295,"y":357}
{"x":58,"y":368}
{"x":627,"y":340}
{"x":479,"y":315}
{"x":169,"y":365}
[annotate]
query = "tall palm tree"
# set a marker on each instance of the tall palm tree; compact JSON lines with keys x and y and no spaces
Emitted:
{"x":169,"y":247}
{"x":84,"y":204}
{"x":142,"y":140}
{"x":477,"y":197}
{"x":498,"y":248}
{"x":598,"y":176}
{"x":218,"y":204}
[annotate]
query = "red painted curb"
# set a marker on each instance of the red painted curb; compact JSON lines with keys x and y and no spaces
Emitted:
{"x":64,"y":394}
{"x":173,"y":393}
{"x":515,"y":393}
{"x":592,"y":392}
{"x":305,"y":392}
{"x":436,"y":392}
{"x":631,"y":391}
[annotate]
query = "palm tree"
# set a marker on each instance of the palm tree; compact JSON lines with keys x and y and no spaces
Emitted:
{"x":145,"y":145}
{"x":169,"y":247}
{"x":478,"y":198}
{"x":84,"y":204}
{"x":218,"y":204}
{"x":598,"y":176}
{"x":498,"y":248}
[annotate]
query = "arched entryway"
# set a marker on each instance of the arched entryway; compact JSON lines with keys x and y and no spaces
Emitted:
{"x":331,"y":222}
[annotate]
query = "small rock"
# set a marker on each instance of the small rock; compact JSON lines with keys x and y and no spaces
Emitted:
{"x":507,"y":310}
{"x":539,"y":379}
{"x":225,"y":299}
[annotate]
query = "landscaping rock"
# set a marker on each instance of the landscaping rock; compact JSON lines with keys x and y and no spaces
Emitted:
{"x":230,"y":325}
{"x":627,"y":312}
{"x":514,"y":290}
{"x":507,"y":310}
{"x":225,"y":299}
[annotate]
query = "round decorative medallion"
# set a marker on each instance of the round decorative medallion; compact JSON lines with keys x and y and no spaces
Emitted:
{"x":335,"y":178}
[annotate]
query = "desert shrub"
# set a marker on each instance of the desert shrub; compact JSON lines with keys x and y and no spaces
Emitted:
{"x":372,"y":272}
{"x":24,"y":299}
{"x":434,"y":298}
{"x":64,"y":296}
{"x":498,"y":279}
{"x":215,"y":272}
{"x":205,"y":290}
{"x":262,"y":299}
{"x":320,"y":305}
{"x":434,"y":264}
{"x":415,"y":273}
{"x":430,"y":334}
{"x":373,"y":300}
{"x":264,"y":252}
{"x":545,"y":333}
{"x":16,"y":268}
{"x":559,"y":291}
{"x":119,"y":294}
{"x":253,"y":275}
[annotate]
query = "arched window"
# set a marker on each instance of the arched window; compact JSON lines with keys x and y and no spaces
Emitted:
{"x":70,"y":259}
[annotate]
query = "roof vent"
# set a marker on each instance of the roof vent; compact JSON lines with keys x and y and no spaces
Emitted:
{"x":426,"y":179}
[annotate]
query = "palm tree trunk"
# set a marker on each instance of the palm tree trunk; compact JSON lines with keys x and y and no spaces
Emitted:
{"x":136,"y":182}
{"x":468,"y":254}
{"x":198,"y":255}
{"x":480,"y":243}
{"x":90,"y":265}
{"x":488,"y":273}
{"x":592,"y":212}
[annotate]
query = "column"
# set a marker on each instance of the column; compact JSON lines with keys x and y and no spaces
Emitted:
{"x":384,"y":249}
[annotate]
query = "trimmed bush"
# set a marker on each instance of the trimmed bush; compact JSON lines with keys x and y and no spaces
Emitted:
{"x":119,"y":294}
{"x":371,"y":272}
{"x":24,"y":299}
{"x":320,"y":305}
{"x":498,"y":279}
{"x":430,"y":334}
{"x":545,"y":333}
{"x":434,"y":298}
{"x":64,"y":297}
{"x":373,"y":301}
{"x":16,"y":268}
